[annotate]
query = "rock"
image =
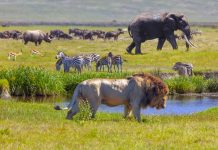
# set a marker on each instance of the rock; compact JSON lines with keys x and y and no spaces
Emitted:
{"x":4,"y":94}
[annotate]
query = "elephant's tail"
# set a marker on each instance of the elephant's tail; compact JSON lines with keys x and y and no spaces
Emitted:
{"x":129,"y":31}
{"x":74,"y":101}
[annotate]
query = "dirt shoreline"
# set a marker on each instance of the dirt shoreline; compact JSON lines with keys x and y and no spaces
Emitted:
{"x":213,"y":95}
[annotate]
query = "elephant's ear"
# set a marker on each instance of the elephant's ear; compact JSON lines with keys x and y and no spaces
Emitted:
{"x":180,"y":16}
{"x":169,"y":23}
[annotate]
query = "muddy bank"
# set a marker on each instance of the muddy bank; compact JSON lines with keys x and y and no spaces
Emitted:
{"x":206,"y":75}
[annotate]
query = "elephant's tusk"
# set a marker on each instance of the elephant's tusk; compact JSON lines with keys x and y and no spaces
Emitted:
{"x":189,"y":42}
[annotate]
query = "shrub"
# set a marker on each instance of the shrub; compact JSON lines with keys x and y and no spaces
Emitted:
{"x":212,"y":85}
{"x":4,"y":85}
{"x":33,"y":81}
{"x":183,"y":85}
{"x":84,"y":111}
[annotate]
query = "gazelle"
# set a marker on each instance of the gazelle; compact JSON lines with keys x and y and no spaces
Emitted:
{"x":14,"y":55}
{"x":35,"y":52}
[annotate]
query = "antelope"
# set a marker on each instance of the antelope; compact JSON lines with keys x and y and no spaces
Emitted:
{"x":35,"y":52}
{"x":14,"y":55}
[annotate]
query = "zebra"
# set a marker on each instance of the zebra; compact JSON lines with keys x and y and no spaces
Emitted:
{"x":117,"y":61}
{"x":94,"y":57}
{"x":88,"y":59}
{"x":68,"y":62}
{"x":105,"y":61}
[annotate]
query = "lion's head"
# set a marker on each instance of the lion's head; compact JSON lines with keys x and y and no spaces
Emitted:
{"x":155,"y":91}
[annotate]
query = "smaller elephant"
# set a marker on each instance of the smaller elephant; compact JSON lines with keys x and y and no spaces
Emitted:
{"x":36,"y":36}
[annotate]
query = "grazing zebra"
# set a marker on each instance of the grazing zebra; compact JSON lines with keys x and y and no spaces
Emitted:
{"x":105,"y":61}
{"x":68,"y":62}
{"x":117,"y":61}
{"x":88,"y":59}
{"x":94,"y":57}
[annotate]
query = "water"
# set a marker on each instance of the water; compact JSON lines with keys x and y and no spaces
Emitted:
{"x":179,"y":105}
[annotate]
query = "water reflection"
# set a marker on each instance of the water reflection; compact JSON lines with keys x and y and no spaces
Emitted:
{"x":41,"y":99}
{"x":176,"y":105}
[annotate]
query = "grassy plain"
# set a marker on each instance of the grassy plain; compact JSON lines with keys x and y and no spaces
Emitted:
{"x":39,"y":126}
{"x":204,"y":58}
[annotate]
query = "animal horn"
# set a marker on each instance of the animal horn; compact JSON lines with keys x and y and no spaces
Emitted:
{"x":189,"y":42}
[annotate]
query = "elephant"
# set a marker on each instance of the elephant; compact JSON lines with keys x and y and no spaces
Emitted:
{"x":162,"y":26}
{"x":35,"y":36}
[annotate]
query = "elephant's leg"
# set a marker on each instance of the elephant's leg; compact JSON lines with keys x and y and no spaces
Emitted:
{"x":36,"y":43}
{"x":25,"y":42}
{"x":187,"y":46}
{"x":138,"y":48}
{"x":171,"y":38}
{"x":130,"y":47}
{"x":160,"y":43}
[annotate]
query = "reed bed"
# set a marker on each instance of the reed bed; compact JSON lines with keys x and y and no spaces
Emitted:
{"x":36,"y":81}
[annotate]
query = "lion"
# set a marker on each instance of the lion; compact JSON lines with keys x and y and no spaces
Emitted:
{"x":135,"y":92}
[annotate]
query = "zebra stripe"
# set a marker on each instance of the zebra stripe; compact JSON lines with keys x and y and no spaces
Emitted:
{"x":105,"y":61}
{"x":94,"y":57}
{"x":117,"y":61}
{"x":68,"y":62}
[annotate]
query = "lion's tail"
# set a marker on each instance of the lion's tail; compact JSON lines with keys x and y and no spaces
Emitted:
{"x":74,"y":100}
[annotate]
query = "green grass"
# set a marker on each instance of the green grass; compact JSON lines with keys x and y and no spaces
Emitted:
{"x":203,"y":58}
{"x":34,"y":81}
{"x":39,"y":126}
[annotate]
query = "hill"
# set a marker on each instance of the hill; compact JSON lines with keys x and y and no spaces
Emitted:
{"x":102,"y":11}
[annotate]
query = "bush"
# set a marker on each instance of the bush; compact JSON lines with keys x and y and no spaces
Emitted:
{"x":31,"y":81}
{"x":84,"y":111}
{"x":212,"y":85}
{"x":4,"y":85}
{"x":181,"y":85}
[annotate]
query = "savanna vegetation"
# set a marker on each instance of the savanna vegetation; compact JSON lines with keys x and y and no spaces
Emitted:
{"x":203,"y":58}
{"x":36,"y":74}
{"x":34,"y":81}
{"x":39,"y":126}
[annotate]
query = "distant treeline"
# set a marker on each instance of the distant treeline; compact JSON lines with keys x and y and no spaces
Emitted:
{"x":107,"y":24}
